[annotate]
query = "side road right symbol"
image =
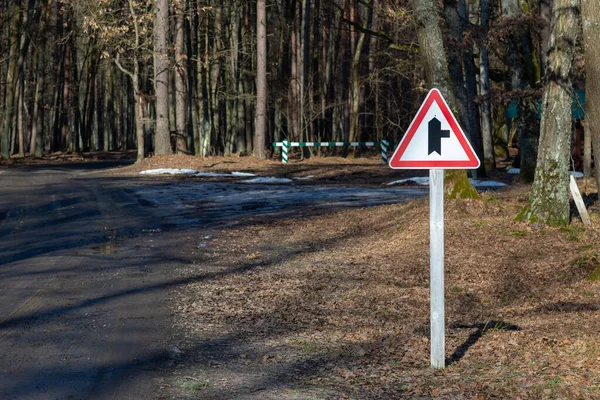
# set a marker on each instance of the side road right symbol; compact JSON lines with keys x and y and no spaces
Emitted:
{"x":436,"y":134}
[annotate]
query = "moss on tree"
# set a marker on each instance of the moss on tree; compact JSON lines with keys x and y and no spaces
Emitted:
{"x":549,"y":202}
{"x":457,"y":186}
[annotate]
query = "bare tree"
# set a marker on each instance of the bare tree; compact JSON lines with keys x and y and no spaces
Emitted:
{"x":261,"y":79}
{"x":549,"y":202}
{"x":434,"y":58}
{"x":591,"y":32}
{"x":162,"y":141}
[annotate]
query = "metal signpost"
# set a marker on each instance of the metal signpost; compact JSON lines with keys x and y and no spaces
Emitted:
{"x":435,"y":141}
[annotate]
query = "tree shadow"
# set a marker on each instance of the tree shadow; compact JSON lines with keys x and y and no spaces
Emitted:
{"x":480,"y":330}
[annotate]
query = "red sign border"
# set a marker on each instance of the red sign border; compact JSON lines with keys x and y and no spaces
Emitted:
{"x":473,"y":161}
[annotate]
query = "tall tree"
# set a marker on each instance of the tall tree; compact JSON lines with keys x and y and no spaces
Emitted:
{"x":134,"y":75}
{"x":162,"y":140}
{"x":11,"y":80}
{"x":591,"y":33}
{"x":180,"y":80}
{"x":484,"y":89}
{"x":434,"y":59}
{"x":549,"y":202}
{"x":261,"y":79}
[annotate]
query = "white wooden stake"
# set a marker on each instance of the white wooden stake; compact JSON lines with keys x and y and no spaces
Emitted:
{"x":436,"y":267}
{"x":583,"y":213}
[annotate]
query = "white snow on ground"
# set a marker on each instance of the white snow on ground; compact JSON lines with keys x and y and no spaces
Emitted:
{"x":173,"y":171}
{"x":267,"y":180}
{"x":424,"y":181}
{"x":576,"y":174}
{"x":421,"y":180}
{"x":210,"y":174}
{"x":304,"y":178}
{"x":478,"y":183}
{"x":242,"y":174}
{"x":169,"y":171}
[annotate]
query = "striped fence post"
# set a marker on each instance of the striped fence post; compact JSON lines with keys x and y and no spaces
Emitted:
{"x":384,"y":151}
{"x":286,"y":144}
{"x":284,"y":152}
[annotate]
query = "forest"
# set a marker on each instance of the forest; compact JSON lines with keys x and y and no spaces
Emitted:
{"x":219,"y":77}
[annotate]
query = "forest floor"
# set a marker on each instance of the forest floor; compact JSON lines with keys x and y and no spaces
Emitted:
{"x":336,"y":305}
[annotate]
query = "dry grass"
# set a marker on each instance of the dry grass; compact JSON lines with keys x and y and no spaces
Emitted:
{"x":349,"y":291}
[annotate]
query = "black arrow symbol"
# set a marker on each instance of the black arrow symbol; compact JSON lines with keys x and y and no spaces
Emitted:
{"x":436,"y":134}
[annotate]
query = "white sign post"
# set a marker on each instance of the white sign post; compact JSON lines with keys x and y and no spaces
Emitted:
{"x":435,"y":141}
{"x":436,"y":267}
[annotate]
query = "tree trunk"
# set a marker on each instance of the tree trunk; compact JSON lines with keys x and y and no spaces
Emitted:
{"x":484,"y":90}
{"x":474,"y":128}
{"x":215,"y":73}
{"x":180,"y":84}
{"x":65,"y":132}
{"x":162,"y":140}
{"x":591,"y":33}
{"x":304,"y":78}
{"x":435,"y":62}
{"x":21,"y":114}
{"x":549,"y":203}
{"x":35,"y":146}
{"x":11,"y":84}
{"x":354,"y":112}
{"x":261,"y":79}
{"x":294,"y":101}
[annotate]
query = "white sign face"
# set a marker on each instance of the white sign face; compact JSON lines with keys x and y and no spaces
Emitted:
{"x":434,"y":140}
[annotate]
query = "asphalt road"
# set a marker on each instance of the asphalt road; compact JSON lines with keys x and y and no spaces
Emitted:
{"x":87,"y":263}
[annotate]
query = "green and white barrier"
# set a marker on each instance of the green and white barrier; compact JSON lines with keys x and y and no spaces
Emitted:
{"x":285,"y":145}
{"x":384,"y":151}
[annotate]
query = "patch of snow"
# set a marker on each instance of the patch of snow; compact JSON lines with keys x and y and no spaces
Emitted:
{"x":419,"y":180}
{"x":304,"y":178}
{"x":210,"y":174}
{"x":424,"y":181}
{"x":576,"y":174}
{"x":242,"y":174}
{"x":169,"y":171}
{"x":478,"y":183}
{"x":267,"y":180}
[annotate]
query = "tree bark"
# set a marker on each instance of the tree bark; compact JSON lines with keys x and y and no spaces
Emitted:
{"x":11,"y":84}
{"x":162,"y":139}
{"x":549,"y":202}
{"x":484,"y":90}
{"x":591,"y":33}
{"x":180,"y":84}
{"x":474,"y":127}
{"x":435,"y":62}
{"x":261,"y":79}
{"x":354,"y":125}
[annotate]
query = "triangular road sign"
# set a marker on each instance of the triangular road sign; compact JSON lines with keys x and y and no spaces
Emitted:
{"x":434,"y":140}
